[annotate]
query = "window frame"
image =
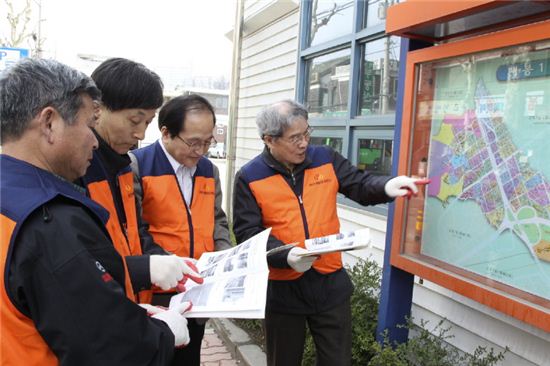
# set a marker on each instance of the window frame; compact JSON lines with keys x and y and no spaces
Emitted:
{"x":352,"y":126}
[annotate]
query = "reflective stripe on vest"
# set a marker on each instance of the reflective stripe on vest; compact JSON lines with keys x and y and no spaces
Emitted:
{"x":21,"y":343}
{"x":100,"y":192}
{"x":281,"y":211}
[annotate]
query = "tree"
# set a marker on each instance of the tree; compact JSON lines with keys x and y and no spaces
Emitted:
{"x":20,"y":26}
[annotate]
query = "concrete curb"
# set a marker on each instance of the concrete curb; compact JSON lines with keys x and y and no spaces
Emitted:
{"x":239,"y":343}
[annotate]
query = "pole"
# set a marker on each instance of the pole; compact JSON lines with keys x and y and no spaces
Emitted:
{"x":233,"y":107}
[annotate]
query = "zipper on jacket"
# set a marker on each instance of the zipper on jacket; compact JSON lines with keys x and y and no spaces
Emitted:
{"x":123,"y":225}
{"x":301,"y":202}
{"x":189,"y":219}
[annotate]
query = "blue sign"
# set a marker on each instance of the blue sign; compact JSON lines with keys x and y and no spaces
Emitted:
{"x":10,"y":56}
{"x":524,"y":70}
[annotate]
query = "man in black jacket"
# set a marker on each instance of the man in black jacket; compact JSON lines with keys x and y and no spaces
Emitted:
{"x":131,"y":94}
{"x":292,"y":188}
{"x":63,"y":295}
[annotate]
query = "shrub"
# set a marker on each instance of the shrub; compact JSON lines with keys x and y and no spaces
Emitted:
{"x":427,"y":347}
{"x":431,"y":348}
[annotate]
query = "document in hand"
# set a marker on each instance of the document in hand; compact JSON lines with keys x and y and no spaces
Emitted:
{"x":235,"y":282}
{"x":337,"y":243}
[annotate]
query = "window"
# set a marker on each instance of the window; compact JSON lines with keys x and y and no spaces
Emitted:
{"x":329,"y":20}
{"x":328,"y":84}
{"x":348,"y":77}
{"x":379,"y":69}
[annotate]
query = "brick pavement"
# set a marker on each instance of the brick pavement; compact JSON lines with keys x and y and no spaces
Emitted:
{"x":214,"y":352}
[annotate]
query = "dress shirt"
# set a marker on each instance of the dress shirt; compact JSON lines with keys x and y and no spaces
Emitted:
{"x":184,"y":175}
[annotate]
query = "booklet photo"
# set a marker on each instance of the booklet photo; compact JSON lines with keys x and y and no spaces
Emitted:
{"x":235,"y":282}
{"x":340,"y":242}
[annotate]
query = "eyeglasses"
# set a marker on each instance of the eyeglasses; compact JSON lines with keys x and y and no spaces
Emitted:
{"x":197,"y":144}
{"x":296,"y":139}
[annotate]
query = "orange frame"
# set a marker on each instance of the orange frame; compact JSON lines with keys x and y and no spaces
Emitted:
{"x":525,"y":311}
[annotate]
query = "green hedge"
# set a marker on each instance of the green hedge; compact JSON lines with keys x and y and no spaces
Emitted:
{"x":427,"y":347}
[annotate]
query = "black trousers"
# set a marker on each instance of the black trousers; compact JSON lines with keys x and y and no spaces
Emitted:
{"x":189,"y":355}
{"x":331,"y":331}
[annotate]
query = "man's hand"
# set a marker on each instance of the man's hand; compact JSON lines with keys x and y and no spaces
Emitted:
{"x":167,"y":270}
{"x":403,"y":186}
{"x":191,"y":272}
{"x":174,"y":319}
{"x":299,"y":263}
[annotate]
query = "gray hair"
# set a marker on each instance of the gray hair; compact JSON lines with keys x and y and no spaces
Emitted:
{"x":34,"y":84}
{"x":276,"y":118}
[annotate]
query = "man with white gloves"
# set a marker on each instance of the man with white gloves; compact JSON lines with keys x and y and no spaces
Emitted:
{"x":292,"y":187}
{"x":179,"y":190}
{"x":64,"y":300}
{"x":175,"y":320}
{"x":131,"y":94}
{"x":171,"y":271}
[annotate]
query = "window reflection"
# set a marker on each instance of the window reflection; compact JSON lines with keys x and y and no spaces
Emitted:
{"x":374,"y":156}
{"x":377,"y":11}
{"x":330,"y":20}
{"x":379,"y":76}
{"x":327,"y":93}
{"x":334,"y":142}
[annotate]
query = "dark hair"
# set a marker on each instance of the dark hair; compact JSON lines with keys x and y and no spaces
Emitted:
{"x":126,"y":84}
{"x":172,"y":114}
{"x":34,"y":84}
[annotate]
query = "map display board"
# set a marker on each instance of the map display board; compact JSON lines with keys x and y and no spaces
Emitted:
{"x":481,"y":133}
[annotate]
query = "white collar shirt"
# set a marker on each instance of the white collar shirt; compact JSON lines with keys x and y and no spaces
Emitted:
{"x":183,"y":174}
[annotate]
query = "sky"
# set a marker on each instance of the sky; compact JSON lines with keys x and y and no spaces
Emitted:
{"x":173,"y":37}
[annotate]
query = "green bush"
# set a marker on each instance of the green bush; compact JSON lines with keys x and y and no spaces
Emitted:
{"x":366,"y":276}
{"x":427,"y":347}
{"x":431,"y":348}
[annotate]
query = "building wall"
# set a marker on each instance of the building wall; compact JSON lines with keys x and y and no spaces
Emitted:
{"x":268,"y":74}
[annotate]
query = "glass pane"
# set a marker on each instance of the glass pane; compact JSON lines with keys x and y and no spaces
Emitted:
{"x":482,"y":124}
{"x":374,"y":156}
{"x":327,"y":92}
{"x":379,"y":76}
{"x":330,"y":20}
{"x":334,"y":142}
{"x":376,"y":11}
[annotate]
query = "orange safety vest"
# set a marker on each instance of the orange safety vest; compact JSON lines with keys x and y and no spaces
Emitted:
{"x":21,"y":344}
{"x":186,"y":233}
{"x":294,"y":219}
{"x":126,"y":243}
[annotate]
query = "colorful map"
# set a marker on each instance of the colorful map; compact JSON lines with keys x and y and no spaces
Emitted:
{"x":488,"y":207}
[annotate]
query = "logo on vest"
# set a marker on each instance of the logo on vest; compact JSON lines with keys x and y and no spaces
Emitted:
{"x":205,"y":189}
{"x":319,"y":178}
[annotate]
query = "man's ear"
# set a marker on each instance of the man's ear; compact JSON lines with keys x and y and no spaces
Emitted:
{"x":165,"y":134}
{"x":48,"y":120}
{"x":97,"y":109}
{"x":268,"y":140}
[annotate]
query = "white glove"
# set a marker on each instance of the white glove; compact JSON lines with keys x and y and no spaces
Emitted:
{"x":299,"y":263}
{"x":403,"y":186}
{"x":167,"y":270}
{"x":174,"y":319}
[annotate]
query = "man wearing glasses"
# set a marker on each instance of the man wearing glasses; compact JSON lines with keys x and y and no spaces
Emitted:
{"x":292,"y":188}
{"x":180,"y":194}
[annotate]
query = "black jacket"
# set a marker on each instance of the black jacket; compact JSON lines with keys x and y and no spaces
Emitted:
{"x":111,"y":165}
{"x":64,"y":273}
{"x":313,"y":292}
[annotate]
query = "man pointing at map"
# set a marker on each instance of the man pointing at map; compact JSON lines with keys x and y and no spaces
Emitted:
{"x":292,"y":188}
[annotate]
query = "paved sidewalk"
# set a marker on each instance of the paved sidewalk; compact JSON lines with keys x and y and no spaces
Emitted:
{"x":214,"y":352}
{"x":225,"y":344}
